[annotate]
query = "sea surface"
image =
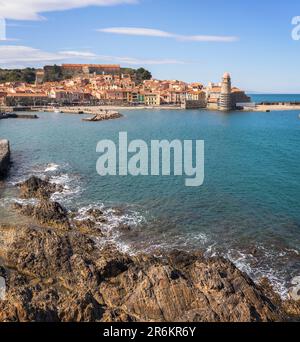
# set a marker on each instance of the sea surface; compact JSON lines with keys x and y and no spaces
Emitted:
{"x":247,"y":210}
{"x":275,"y":98}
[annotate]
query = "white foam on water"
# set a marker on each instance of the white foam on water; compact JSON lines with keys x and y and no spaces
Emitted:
{"x":115,"y":218}
{"x":71,"y":187}
{"x":51,"y":167}
{"x":264,"y":269}
{"x":170,"y":241}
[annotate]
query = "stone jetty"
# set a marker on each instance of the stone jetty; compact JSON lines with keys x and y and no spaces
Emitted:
{"x":17,"y":116}
{"x":4,"y":158}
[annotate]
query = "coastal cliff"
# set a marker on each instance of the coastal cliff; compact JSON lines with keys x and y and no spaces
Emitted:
{"x":4,"y":158}
{"x":55,"y":270}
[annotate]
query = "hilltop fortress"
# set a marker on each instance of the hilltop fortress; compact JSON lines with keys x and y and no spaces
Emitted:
{"x":98,"y":84}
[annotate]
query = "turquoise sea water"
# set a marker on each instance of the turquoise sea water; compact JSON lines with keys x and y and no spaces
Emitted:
{"x":275,"y":98}
{"x":247,"y":209}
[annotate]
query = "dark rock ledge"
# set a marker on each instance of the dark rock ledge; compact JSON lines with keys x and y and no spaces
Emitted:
{"x":54,"y":271}
{"x":4,"y":158}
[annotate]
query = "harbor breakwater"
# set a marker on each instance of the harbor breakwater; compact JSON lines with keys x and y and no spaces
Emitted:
{"x":17,"y":116}
{"x":4,"y":158}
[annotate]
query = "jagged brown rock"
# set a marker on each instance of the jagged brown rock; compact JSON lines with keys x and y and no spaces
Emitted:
{"x":46,"y":212}
{"x":66,"y":277}
{"x":35,"y":187}
{"x":290,"y":307}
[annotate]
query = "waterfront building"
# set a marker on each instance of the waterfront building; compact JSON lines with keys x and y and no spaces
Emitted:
{"x":239,"y":97}
{"x":65,"y":97}
{"x":27,"y":99}
{"x":152,"y":99}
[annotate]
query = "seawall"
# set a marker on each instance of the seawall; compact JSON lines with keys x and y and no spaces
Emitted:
{"x":17,"y":116}
{"x":4,"y":158}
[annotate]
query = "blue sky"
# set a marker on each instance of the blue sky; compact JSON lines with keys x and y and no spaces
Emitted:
{"x":191,"y":40}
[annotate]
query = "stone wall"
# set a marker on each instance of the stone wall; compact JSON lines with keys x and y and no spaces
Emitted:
{"x":194,"y":104}
{"x":4,"y":158}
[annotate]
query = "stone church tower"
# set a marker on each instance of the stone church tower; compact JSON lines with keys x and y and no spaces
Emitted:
{"x":225,"y":101}
{"x":39,"y":76}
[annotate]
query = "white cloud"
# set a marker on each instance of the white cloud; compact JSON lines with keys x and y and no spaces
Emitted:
{"x":78,"y":54}
{"x":20,"y":56}
{"x":146,"y":32}
{"x":31,"y":9}
{"x":23,"y":55}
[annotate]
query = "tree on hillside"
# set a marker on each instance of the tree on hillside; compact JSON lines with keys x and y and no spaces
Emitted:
{"x":53,"y":73}
{"x":17,"y":75}
{"x":143,"y":74}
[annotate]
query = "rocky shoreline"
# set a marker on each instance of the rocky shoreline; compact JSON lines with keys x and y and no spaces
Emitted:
{"x":55,"y":271}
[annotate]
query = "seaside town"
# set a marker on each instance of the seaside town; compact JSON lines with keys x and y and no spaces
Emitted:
{"x":109,"y":85}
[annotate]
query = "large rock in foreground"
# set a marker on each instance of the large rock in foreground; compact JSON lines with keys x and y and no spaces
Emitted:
{"x":46,"y":212}
{"x":62,"y":274}
{"x":35,"y":187}
{"x":4,"y":158}
{"x":55,"y":276}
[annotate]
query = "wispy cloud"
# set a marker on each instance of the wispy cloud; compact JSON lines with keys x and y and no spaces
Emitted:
{"x":139,"y":61}
{"x":20,"y":56}
{"x":9,"y":39}
{"x":3,"y":36}
{"x":32,"y":9}
{"x":80,"y":54}
{"x":146,"y":32}
{"x":11,"y":55}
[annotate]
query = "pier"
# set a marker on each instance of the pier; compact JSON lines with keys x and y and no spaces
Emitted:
{"x":276,"y":106}
{"x":4,"y":158}
{"x":17,"y":116}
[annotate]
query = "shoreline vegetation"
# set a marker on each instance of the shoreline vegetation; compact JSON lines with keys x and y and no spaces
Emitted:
{"x":55,"y":270}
